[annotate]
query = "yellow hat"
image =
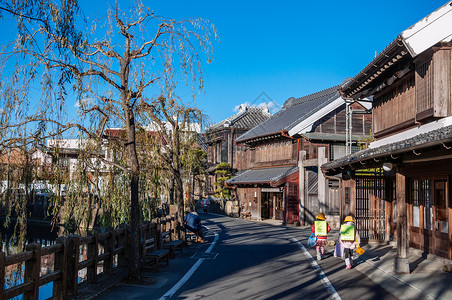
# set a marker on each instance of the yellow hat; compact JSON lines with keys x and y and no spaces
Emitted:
{"x":321,"y":216}
{"x":348,"y":219}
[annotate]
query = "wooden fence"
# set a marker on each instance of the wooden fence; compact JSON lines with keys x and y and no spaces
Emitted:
{"x":99,"y":254}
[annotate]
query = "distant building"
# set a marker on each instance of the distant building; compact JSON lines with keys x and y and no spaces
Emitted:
{"x":221,"y":137}
{"x":279,"y":158}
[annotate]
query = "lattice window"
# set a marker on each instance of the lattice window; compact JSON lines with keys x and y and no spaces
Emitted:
{"x":424,"y":86}
{"x":416,"y":203}
{"x":370,"y":208}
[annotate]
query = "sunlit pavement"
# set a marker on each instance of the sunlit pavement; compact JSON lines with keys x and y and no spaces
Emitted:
{"x":262,"y":260}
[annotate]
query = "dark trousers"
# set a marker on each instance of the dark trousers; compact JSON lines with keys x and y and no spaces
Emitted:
{"x":198,"y":232}
{"x":348,"y":253}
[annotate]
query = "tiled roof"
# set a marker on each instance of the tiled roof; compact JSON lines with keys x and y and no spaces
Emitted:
{"x":425,"y":140}
{"x":245,"y":119}
{"x":293,"y":112}
{"x":265,"y":175}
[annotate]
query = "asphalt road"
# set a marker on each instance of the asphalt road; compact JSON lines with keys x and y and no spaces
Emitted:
{"x":242,"y":259}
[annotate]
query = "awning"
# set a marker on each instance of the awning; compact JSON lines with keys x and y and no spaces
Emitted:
{"x":425,"y":146}
{"x":264,"y":175}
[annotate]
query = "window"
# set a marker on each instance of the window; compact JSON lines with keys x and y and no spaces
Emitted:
{"x":441,"y":223}
{"x":338,"y":151}
{"x":416,"y":202}
{"x":218,"y":153}
{"x":394,"y":198}
{"x":333,"y":197}
{"x":427,"y":201}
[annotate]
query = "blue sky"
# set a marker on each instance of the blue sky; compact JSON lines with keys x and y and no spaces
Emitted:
{"x":273,"y":50}
{"x":291,"y":48}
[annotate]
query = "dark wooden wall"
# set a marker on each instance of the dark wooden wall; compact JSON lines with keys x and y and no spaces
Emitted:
{"x":395,"y":108}
{"x":335,"y":121}
{"x":419,"y":97}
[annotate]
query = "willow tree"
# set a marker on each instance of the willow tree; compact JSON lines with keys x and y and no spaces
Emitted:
{"x":177,"y":126}
{"x":106,"y":68}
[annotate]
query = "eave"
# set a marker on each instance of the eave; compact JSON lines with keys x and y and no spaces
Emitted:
{"x":400,"y":53}
{"x":391,"y":60}
{"x":432,"y":145}
{"x":258,"y":139}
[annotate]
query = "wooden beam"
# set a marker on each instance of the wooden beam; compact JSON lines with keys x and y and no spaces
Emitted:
{"x":2,"y":273}
{"x":32,"y":271}
{"x":388,"y":207}
{"x":449,"y":211}
{"x":311,"y":162}
{"x":301,"y":187}
{"x":321,"y":151}
{"x":401,"y":265}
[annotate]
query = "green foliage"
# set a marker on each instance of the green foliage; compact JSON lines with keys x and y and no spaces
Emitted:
{"x":223,"y":172}
{"x":194,"y":159}
{"x":364,"y":142}
{"x":107,"y":68}
{"x":223,"y":167}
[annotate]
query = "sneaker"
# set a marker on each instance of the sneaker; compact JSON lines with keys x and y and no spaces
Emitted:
{"x":348,"y":267}
{"x":319,"y":256}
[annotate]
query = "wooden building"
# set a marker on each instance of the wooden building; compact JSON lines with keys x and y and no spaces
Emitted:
{"x":221,"y":137}
{"x":411,"y":85}
{"x":278,"y":159}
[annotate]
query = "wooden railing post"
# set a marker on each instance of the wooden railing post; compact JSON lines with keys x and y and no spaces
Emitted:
{"x":149,"y":229}
{"x":93,"y":253}
{"x":179,"y":227}
{"x":153,"y":228}
{"x":174,"y":228}
{"x":2,"y":273}
{"x":32,"y":270}
{"x":158,"y":233}
{"x":122,"y":242}
{"x":60,"y":264}
{"x":168,"y":224}
{"x":145,"y":230}
{"x":109,"y":246}
{"x":73,"y":253}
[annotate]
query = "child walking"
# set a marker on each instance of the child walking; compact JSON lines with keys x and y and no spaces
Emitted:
{"x":320,"y":228}
{"x":349,"y":238}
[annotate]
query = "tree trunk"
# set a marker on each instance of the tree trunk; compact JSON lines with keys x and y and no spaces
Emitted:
{"x":134,"y":242}
{"x":178,"y":193}
{"x":172,"y":199}
{"x":134,"y":250}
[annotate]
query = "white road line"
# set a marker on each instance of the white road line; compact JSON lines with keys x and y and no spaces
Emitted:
{"x":322,"y":276}
{"x":187,"y":275}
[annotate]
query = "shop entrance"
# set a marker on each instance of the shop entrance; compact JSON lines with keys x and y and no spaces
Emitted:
{"x":271,"y":204}
{"x":429,"y":228}
{"x":370,"y":207}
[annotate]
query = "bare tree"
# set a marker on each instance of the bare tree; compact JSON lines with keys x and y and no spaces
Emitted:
{"x":176,"y":125}
{"x":108,"y":70}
